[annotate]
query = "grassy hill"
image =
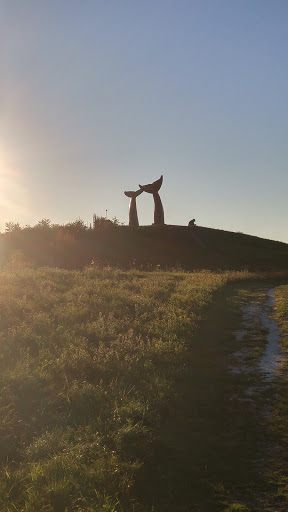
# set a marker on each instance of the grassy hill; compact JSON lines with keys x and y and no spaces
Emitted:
{"x":113,"y":379}
{"x":74,"y":246}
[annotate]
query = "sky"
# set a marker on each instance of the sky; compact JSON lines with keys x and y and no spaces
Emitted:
{"x":97,"y":96}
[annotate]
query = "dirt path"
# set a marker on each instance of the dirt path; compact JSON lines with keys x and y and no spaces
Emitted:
{"x":216,"y":451}
{"x":258,"y":356}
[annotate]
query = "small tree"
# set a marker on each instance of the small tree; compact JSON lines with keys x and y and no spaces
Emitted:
{"x":77,"y":225}
{"x":103,"y":224}
{"x":12,"y":226}
{"x":44,"y":224}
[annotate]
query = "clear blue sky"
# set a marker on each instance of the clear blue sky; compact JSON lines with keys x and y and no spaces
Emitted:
{"x":98,"y":96}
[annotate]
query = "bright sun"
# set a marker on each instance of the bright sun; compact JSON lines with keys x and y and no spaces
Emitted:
{"x":13,"y":196}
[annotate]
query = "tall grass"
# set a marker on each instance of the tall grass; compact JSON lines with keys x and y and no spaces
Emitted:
{"x":87,"y":365}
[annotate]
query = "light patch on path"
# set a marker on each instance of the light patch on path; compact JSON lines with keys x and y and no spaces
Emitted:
{"x":257,"y":318}
{"x":259,"y":357}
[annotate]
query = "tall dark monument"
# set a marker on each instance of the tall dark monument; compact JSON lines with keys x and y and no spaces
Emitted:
{"x":153,"y":188}
{"x":133,"y":217}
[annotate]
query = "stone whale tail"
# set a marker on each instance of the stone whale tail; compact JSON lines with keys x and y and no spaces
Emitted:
{"x":152,"y":188}
{"x":133,"y":217}
{"x":130,"y":193}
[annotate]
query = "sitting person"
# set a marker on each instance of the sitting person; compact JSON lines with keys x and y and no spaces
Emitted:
{"x":192,"y":224}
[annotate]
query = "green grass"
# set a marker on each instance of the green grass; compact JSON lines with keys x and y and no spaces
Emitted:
{"x":116,"y":394}
{"x":88,"y":361}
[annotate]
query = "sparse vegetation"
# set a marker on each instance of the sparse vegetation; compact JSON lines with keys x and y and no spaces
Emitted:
{"x":279,"y":408}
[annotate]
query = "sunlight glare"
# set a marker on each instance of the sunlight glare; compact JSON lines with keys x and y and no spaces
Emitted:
{"x":13,"y":196}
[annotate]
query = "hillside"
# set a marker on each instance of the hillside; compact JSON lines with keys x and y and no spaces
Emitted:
{"x":74,"y":246}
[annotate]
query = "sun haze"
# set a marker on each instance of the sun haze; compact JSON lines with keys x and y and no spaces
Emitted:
{"x":100,"y":96}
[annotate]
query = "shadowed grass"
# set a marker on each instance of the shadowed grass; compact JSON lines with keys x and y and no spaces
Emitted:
{"x":93,"y":368}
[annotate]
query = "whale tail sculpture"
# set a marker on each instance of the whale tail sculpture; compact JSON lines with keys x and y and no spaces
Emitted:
{"x":130,"y":193}
{"x":153,"y":188}
{"x":133,"y":217}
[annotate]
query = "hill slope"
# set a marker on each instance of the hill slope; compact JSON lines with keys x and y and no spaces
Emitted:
{"x":143,"y":247}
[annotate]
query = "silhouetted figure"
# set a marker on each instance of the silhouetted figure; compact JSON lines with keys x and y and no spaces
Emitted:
{"x":192,"y":224}
{"x":153,"y":188}
{"x":133,"y":217}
